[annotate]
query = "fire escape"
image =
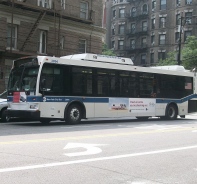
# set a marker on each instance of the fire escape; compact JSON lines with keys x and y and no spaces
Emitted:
{"x":33,"y":29}
{"x":42,"y":11}
{"x":138,"y":31}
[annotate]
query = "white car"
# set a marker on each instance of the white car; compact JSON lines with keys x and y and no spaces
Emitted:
{"x":3,"y":107}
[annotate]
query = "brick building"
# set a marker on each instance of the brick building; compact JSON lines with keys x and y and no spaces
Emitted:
{"x":146,"y":30}
{"x":48,"y":27}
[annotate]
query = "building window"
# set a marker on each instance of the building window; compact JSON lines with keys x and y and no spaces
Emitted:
{"x":186,"y":34}
{"x":144,"y":26}
{"x":12,"y":32}
{"x":62,"y":42}
{"x":178,"y":2}
{"x":188,"y":1}
{"x":114,"y":13}
{"x":63,"y":4}
{"x":143,"y":42}
{"x":152,"y":39}
{"x":42,"y":42}
{"x":153,"y":4}
{"x":178,"y":19}
{"x":162,"y":4}
{"x":113,"y":31}
{"x":84,"y":10}
{"x":121,"y":13}
{"x":162,"y":39}
{"x":82,"y":46}
{"x":120,"y":44}
{"x":162,"y":22}
{"x":121,"y":29}
{"x":143,"y":59}
{"x":153,"y":23}
{"x":133,"y":12}
{"x":45,"y":3}
{"x":161,"y":55}
{"x":152,"y":57}
{"x":113,"y":44}
{"x":188,"y":17}
{"x":132,"y":44}
{"x":132,"y":28}
{"x":145,"y":9}
{"x":133,"y":58}
{"x":177,"y":37}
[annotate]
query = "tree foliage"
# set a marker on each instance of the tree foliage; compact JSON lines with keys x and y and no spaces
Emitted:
{"x":170,"y":60}
{"x":189,"y":53}
{"x":106,"y":51}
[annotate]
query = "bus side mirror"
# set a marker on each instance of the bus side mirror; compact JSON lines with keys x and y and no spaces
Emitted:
{"x":43,"y":85}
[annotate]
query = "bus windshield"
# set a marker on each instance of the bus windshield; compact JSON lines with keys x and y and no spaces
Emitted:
{"x":23,"y":79}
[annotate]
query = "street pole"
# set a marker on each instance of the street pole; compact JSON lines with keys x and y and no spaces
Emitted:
{"x":12,"y":17}
{"x":180,"y":39}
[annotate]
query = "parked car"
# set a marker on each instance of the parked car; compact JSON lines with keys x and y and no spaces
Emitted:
{"x":3,"y":107}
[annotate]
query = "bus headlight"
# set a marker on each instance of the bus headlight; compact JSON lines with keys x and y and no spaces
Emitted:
{"x":34,"y":106}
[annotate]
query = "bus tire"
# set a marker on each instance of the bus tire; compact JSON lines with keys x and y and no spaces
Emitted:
{"x":45,"y":121}
{"x":74,"y":114}
{"x":171,"y":112}
{"x":4,"y":116}
{"x":142,"y":117}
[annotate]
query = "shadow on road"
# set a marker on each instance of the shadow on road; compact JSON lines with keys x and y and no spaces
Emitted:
{"x":25,"y":126}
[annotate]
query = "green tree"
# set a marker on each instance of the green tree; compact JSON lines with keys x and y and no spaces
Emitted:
{"x":106,"y":51}
{"x":189,"y":53}
{"x":170,"y":60}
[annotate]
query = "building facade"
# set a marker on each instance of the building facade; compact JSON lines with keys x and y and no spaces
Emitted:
{"x":48,"y":27}
{"x":146,"y":30}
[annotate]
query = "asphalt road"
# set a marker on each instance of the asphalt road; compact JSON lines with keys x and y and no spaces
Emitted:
{"x":99,"y":152}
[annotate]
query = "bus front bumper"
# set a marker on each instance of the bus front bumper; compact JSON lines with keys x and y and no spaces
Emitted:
{"x":23,"y":114}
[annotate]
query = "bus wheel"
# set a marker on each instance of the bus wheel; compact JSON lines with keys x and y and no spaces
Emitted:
{"x":142,"y":118}
{"x":74,"y":114}
{"x":45,"y":121}
{"x":171,"y":112}
{"x":4,"y":117}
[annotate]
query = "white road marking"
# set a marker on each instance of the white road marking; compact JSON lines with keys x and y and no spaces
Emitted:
{"x":91,"y":149}
{"x":94,"y":159}
{"x":85,"y":126}
{"x":194,"y":131}
{"x":158,"y":127}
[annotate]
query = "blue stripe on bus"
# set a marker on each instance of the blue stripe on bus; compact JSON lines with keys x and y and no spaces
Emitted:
{"x":182,"y":100}
{"x":82,"y":99}
{"x":63,"y":99}
{"x":96,"y":99}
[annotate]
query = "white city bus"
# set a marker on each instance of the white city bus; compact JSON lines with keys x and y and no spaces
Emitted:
{"x":81,"y":86}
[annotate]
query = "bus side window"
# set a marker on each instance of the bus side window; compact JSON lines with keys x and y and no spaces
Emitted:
{"x":47,"y":74}
{"x":53,"y":78}
{"x":81,"y":81}
{"x":102,"y":82}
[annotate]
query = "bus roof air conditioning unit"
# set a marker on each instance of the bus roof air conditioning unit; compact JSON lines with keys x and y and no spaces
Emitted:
{"x":99,"y":58}
{"x":171,"y":67}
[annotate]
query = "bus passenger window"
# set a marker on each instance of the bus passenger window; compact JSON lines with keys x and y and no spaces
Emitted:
{"x":102,"y":83}
{"x":81,"y":81}
{"x":53,"y":76}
